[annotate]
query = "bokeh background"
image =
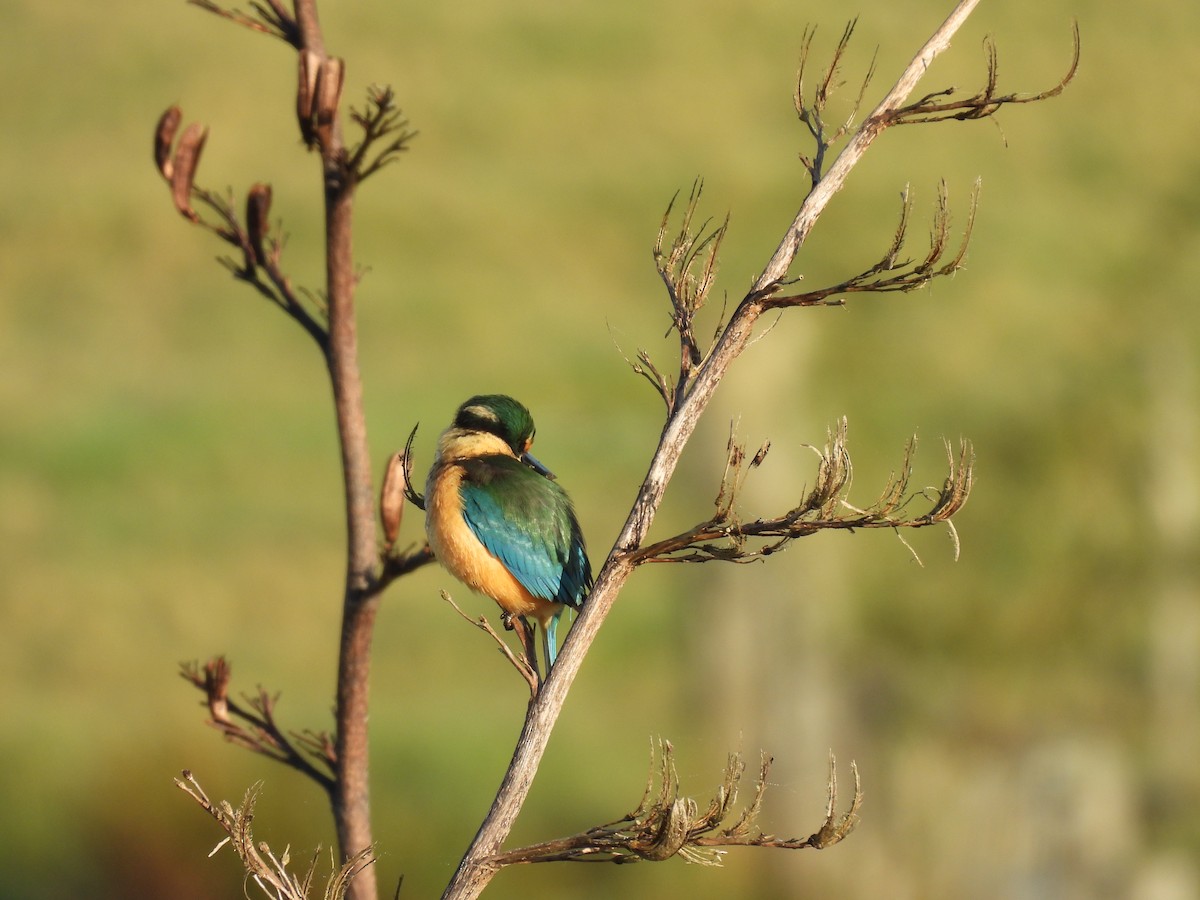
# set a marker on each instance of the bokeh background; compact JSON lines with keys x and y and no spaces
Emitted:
{"x":1026,"y":719}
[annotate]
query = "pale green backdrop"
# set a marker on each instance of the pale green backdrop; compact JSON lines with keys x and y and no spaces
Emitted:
{"x":1026,"y":720}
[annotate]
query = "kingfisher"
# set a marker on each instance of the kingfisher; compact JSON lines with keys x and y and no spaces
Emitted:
{"x":500,"y":523}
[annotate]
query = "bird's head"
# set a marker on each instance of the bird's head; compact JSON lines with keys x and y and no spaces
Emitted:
{"x":487,"y":417}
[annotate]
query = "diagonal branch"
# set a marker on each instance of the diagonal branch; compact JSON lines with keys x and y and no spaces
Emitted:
{"x":260,"y":248}
{"x":270,"y":18}
{"x":891,"y":274}
{"x":477,"y":866}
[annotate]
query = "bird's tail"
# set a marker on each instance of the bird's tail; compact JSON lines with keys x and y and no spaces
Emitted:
{"x":550,"y":639}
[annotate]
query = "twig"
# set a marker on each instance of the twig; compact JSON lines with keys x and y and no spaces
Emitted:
{"x":825,"y":507}
{"x":270,"y":871}
{"x":890,"y":274}
{"x":260,"y":249}
{"x":273,"y":19}
{"x":986,"y":102}
{"x":521,"y":663}
{"x":666,"y":825}
{"x":380,"y":120}
{"x":318,"y":100}
{"x":254,"y":727}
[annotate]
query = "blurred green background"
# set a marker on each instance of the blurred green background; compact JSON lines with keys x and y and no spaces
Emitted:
{"x":1026,"y":720}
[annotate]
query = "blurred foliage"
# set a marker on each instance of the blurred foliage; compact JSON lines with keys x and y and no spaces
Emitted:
{"x":1025,"y":719}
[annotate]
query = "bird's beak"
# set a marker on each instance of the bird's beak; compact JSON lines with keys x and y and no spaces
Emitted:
{"x":532,"y":461}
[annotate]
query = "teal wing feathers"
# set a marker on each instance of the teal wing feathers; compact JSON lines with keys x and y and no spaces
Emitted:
{"x":527,"y":522}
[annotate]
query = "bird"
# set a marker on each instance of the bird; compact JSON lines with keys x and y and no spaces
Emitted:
{"x":498,"y":521}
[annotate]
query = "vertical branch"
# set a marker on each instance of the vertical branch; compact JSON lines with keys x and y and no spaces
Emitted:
{"x":351,"y":795}
{"x":318,"y":100}
{"x":352,"y":812}
{"x":310,"y":28}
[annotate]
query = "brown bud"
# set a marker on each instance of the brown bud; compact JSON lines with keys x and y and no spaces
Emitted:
{"x":164,"y":137}
{"x":391,"y":498}
{"x":183,"y":172}
{"x":258,"y":210}
{"x":306,"y":95}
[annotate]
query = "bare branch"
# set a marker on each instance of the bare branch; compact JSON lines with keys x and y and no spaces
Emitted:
{"x":688,"y":268}
{"x":666,"y":825}
{"x":664,"y":386}
{"x":396,"y":565}
{"x":825,"y":507}
{"x":522,"y":663}
{"x":985,"y":102}
{"x":380,"y":121}
{"x":253,"y":726}
{"x":270,"y":18}
{"x":271,"y":872}
{"x":258,"y":248}
{"x":890,"y":274}
{"x":333,"y":327}
{"x":811,"y":112}
{"x":261,"y":255}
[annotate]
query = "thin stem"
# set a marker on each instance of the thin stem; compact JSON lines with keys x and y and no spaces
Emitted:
{"x":311,"y":38}
{"x":351,"y":802}
{"x":352,"y":811}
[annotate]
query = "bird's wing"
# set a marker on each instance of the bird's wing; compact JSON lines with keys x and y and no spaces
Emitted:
{"x":527,"y":522}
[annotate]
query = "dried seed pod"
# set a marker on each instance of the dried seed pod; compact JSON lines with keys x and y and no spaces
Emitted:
{"x":391,"y":498}
{"x":164,"y":137}
{"x":216,"y":687}
{"x":183,"y":173}
{"x":329,"y":95}
{"x":306,"y":95}
{"x":258,"y":210}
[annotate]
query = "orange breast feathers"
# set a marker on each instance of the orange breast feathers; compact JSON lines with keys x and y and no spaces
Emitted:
{"x":463,"y":554}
